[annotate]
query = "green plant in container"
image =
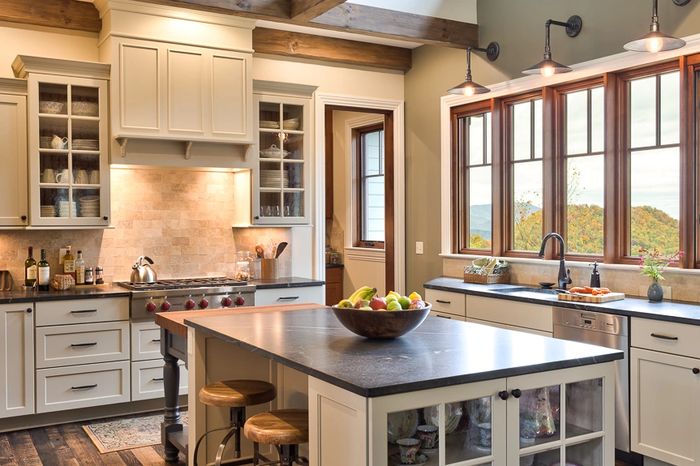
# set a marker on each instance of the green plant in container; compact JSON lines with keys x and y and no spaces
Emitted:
{"x":653,"y":263}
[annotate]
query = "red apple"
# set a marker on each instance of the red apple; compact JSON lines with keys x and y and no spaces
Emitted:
{"x":378,"y":303}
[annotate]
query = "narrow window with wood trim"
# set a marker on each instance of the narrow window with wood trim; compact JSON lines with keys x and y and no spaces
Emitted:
{"x":370,"y":205}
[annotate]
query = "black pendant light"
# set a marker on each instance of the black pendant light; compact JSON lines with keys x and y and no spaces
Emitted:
{"x":469,"y":87}
{"x":655,"y":40}
{"x":549,"y":67}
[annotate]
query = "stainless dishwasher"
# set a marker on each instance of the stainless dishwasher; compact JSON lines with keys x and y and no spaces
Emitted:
{"x":610,"y":331}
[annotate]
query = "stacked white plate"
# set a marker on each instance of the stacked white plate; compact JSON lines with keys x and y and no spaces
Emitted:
{"x":48,"y":210}
{"x":272,"y":178}
{"x":63,"y":207}
{"x":86,"y":144}
{"x":90,"y":206}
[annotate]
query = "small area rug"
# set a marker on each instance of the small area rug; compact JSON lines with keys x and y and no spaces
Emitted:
{"x":126,"y":433}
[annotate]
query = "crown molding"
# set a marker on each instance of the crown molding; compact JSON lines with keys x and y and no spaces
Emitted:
{"x":25,"y":64}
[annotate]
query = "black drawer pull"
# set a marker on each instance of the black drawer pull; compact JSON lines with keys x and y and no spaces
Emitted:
{"x":155,"y":340}
{"x":287,"y":298}
{"x":84,"y":311}
{"x":696,"y":371}
{"x":83,"y":345}
{"x":157,"y":379}
{"x":443,"y":317}
{"x":84,"y":387}
{"x":664,"y":337}
{"x":443,"y":302}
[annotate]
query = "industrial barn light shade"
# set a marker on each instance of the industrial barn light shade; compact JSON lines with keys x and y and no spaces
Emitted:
{"x":469,"y":87}
{"x":656,"y":41}
{"x":549,"y":67}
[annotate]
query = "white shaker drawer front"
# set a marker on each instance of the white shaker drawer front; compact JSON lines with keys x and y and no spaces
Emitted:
{"x":294,"y":295}
{"x":145,"y":341}
{"x":81,"y":344}
{"x":147,"y":380}
{"x":80,"y":311}
{"x":513,"y":313}
{"x":669,"y":337}
{"x":82,"y":386}
{"x":446,"y":302}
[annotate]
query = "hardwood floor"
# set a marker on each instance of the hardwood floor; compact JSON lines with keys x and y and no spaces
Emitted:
{"x":69,"y":445}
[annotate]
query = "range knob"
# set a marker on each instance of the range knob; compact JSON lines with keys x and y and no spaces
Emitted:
{"x":165,"y":305}
{"x":190,"y":304}
{"x":240,"y":300}
{"x":151,"y":306}
{"x":226,"y":301}
{"x":203,"y":303}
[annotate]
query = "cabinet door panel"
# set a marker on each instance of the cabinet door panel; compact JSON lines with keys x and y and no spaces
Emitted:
{"x":185,"y":88}
{"x":139,"y":88}
{"x":665,"y":406}
{"x":16,"y":360}
{"x":229,"y":95}
{"x":13,"y":160}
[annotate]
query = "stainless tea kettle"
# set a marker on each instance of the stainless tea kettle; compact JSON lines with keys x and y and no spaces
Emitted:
{"x":143,"y":273}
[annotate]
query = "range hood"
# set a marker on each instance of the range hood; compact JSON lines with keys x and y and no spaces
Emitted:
{"x":180,"y":86}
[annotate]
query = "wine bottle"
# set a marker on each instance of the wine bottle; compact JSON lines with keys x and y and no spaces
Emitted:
{"x":69,"y":263}
{"x":30,"y":269}
{"x":43,"y":272}
{"x":80,"y":269}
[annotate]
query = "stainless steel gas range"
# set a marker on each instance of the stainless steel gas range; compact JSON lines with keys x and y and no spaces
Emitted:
{"x":187,"y":294}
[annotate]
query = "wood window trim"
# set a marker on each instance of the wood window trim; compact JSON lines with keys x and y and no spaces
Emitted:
{"x":506,"y":104}
{"x":559,"y":156}
{"x":357,"y":134}
{"x":690,"y":138}
{"x":459,"y":196}
{"x":623,"y":179}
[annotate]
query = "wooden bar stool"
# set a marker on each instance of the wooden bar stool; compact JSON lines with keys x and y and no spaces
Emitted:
{"x":285,"y":429}
{"x":235,"y":395}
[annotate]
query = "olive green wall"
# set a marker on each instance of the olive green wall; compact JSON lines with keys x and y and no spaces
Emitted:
{"x":518,"y":25}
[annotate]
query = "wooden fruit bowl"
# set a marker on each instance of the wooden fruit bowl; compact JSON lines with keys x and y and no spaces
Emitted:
{"x":381,"y":324}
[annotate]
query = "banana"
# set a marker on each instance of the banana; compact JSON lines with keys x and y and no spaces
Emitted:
{"x":362,"y":293}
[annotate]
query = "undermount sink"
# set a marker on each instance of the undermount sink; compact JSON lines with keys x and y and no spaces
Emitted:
{"x":530,"y":292}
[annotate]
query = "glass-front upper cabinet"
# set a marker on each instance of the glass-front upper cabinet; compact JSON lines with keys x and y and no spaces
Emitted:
{"x":282,"y":178}
{"x":68,"y":150}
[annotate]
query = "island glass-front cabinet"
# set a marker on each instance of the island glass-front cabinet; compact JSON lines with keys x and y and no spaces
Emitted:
{"x":557,"y":417}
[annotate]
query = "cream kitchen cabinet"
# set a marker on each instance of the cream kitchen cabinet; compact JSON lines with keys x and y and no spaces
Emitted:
{"x":292,"y":295}
{"x":68,"y":150}
{"x":16,"y":359}
{"x":447,"y":302}
{"x":171,"y":91}
{"x":665,"y":391}
{"x":13,"y":153}
{"x":516,"y":315}
{"x":282,"y":178}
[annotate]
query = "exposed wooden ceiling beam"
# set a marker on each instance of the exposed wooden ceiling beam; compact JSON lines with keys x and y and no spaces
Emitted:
{"x":67,"y":14}
{"x":306,"y":10}
{"x":295,"y":44}
{"x":399,"y":25}
{"x":347,"y":17}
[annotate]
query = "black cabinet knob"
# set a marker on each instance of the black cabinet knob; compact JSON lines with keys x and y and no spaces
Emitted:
{"x":29,"y":310}
{"x":24,"y":218}
{"x":105,"y":218}
{"x":503,"y":394}
{"x":257,"y":217}
{"x":516,"y":393}
{"x":696,"y":370}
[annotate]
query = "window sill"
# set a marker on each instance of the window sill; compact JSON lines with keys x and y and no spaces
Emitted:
{"x":365,"y":254}
{"x":571,"y":264}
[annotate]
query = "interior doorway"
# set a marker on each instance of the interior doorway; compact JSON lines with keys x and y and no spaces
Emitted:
{"x":359,"y":199}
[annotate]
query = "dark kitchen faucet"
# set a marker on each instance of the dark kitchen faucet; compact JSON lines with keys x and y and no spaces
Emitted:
{"x":564,"y":277}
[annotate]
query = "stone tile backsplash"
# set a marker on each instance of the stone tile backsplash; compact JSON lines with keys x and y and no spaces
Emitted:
{"x":180,"y":218}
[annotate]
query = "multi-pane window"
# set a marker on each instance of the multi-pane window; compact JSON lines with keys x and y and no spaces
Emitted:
{"x":370,"y":190}
{"x":584,"y":162}
{"x":653,"y":151}
{"x":526,"y":165}
{"x":474,"y":162}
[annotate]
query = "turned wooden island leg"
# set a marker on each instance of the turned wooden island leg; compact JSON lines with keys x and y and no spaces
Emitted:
{"x":171,"y":387}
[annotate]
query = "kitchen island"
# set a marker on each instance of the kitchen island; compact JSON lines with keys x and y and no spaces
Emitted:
{"x":496,"y":396}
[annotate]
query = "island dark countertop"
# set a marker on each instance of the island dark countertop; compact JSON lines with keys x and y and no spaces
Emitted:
{"x":634,"y":307}
{"x":439,"y":353}
{"x":102,"y":291}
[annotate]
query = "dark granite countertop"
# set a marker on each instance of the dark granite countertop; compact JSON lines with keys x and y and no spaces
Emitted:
{"x":439,"y":353}
{"x":285,"y":282}
{"x":335,"y":266}
{"x":635,"y":307}
{"x":104,"y":291}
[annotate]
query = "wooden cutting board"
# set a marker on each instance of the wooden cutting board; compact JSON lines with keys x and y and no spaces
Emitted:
{"x":588,"y":298}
